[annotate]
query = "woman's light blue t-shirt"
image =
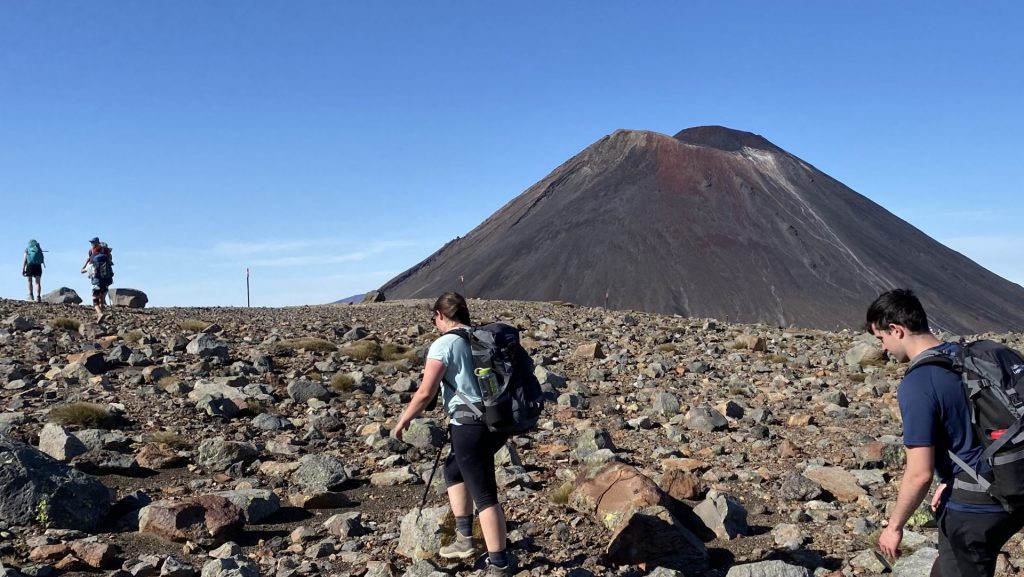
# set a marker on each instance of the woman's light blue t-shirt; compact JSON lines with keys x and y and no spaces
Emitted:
{"x":454,"y":352}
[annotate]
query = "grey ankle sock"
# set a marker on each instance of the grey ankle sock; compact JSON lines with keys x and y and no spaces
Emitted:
{"x":498,"y":558}
{"x":464,"y":525}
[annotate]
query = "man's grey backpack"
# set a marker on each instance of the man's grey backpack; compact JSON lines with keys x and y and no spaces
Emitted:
{"x":993,"y":380}
{"x":512,"y":397}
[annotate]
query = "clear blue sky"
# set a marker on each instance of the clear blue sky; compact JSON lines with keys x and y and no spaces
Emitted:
{"x":330,"y":145}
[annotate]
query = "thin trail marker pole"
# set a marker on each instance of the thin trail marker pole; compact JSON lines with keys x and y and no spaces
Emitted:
{"x":247,"y":304}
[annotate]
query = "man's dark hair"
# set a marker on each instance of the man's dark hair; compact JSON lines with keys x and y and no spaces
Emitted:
{"x":897,"y":307}
{"x":453,"y":306}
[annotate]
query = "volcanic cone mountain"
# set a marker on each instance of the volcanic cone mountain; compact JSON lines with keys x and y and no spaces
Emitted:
{"x":715,"y":223}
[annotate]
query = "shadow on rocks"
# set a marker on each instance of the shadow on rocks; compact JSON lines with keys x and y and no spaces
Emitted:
{"x":684,"y":513}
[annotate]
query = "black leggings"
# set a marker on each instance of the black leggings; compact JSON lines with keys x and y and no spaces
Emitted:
{"x":471,"y":461}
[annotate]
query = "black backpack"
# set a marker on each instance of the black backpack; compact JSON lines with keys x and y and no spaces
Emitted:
{"x":102,"y":270}
{"x":993,"y":379}
{"x":516,"y":400}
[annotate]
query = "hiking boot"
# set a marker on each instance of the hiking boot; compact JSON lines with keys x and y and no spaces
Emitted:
{"x":495,"y":571}
{"x":39,"y":299}
{"x":460,"y":548}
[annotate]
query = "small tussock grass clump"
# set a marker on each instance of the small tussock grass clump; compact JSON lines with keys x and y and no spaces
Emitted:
{"x":362,"y":350}
{"x":857,"y":377}
{"x":66,"y":324}
{"x":342,"y":382}
{"x":85,"y":415}
{"x":309,"y":344}
{"x":167,"y":382}
{"x":776,"y":358}
{"x":560,"y":496}
{"x":169,"y":438}
{"x":133,"y":336}
{"x":667,"y":348}
{"x":255,"y":407}
{"x":393,"y":352}
{"x":193,"y":325}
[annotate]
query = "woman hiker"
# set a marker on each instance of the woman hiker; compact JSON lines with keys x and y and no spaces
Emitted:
{"x":469,"y":468}
{"x":32,"y":268}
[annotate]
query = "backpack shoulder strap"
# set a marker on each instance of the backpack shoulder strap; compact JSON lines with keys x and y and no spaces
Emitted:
{"x":947,"y":361}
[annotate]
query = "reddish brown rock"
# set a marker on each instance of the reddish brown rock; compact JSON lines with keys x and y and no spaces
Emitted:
{"x":840,"y":482}
{"x":158,"y":456}
{"x":96,"y":555}
{"x":196,"y":518}
{"x":652,"y":536}
{"x":49,"y":552}
{"x":612,"y":491}
{"x":788,"y":449}
{"x":70,"y":563}
{"x":590,"y":351}
{"x":682,"y":485}
{"x":323,"y":500}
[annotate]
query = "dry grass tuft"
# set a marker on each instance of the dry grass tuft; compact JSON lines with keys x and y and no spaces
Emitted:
{"x":393,"y":352}
{"x":133,"y":336}
{"x":85,"y":415}
{"x":169,"y":438}
{"x":193,"y":325}
{"x":66,"y":324}
{"x":309,"y":344}
{"x":362,"y":350}
{"x":560,"y":495}
{"x":342,"y":382}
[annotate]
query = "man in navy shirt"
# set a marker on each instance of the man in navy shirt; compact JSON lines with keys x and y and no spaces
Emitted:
{"x":936,"y":421}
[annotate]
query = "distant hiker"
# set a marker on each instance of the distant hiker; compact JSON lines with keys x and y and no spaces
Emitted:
{"x":32,"y":268}
{"x":100,"y":268}
{"x":937,"y":432}
{"x":469,"y":468}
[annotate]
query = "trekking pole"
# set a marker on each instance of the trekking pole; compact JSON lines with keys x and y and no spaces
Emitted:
{"x":437,"y":459}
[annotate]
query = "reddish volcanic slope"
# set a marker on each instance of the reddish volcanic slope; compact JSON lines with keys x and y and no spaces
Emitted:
{"x":715,"y":223}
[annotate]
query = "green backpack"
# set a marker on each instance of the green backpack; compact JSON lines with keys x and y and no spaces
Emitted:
{"x":35,"y":253}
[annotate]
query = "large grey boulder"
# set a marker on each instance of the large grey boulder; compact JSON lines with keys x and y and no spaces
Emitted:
{"x":919,"y":563}
{"x":302,"y":391}
{"x":319,"y":472}
{"x":57,"y":442}
{"x":38,"y":488}
{"x":374,"y":297}
{"x":62,"y":296}
{"x":421,"y":534}
{"x":723,"y":515}
{"x":425,"y":434}
{"x":127,"y":297}
{"x":216,"y":454}
{"x":768,"y":569}
{"x":205,"y":345}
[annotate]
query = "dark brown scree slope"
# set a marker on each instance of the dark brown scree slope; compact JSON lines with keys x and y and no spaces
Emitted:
{"x":715,"y":223}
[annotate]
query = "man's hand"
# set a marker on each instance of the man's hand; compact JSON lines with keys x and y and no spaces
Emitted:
{"x":889,"y":542}
{"x":937,"y":497}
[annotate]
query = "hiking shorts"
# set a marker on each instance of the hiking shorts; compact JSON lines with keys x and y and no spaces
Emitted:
{"x":33,"y":270}
{"x":471,"y":461}
{"x":969,"y":543}
{"x":99,"y":294}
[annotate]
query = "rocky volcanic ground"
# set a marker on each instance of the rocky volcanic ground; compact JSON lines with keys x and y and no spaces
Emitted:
{"x":211,"y":441}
